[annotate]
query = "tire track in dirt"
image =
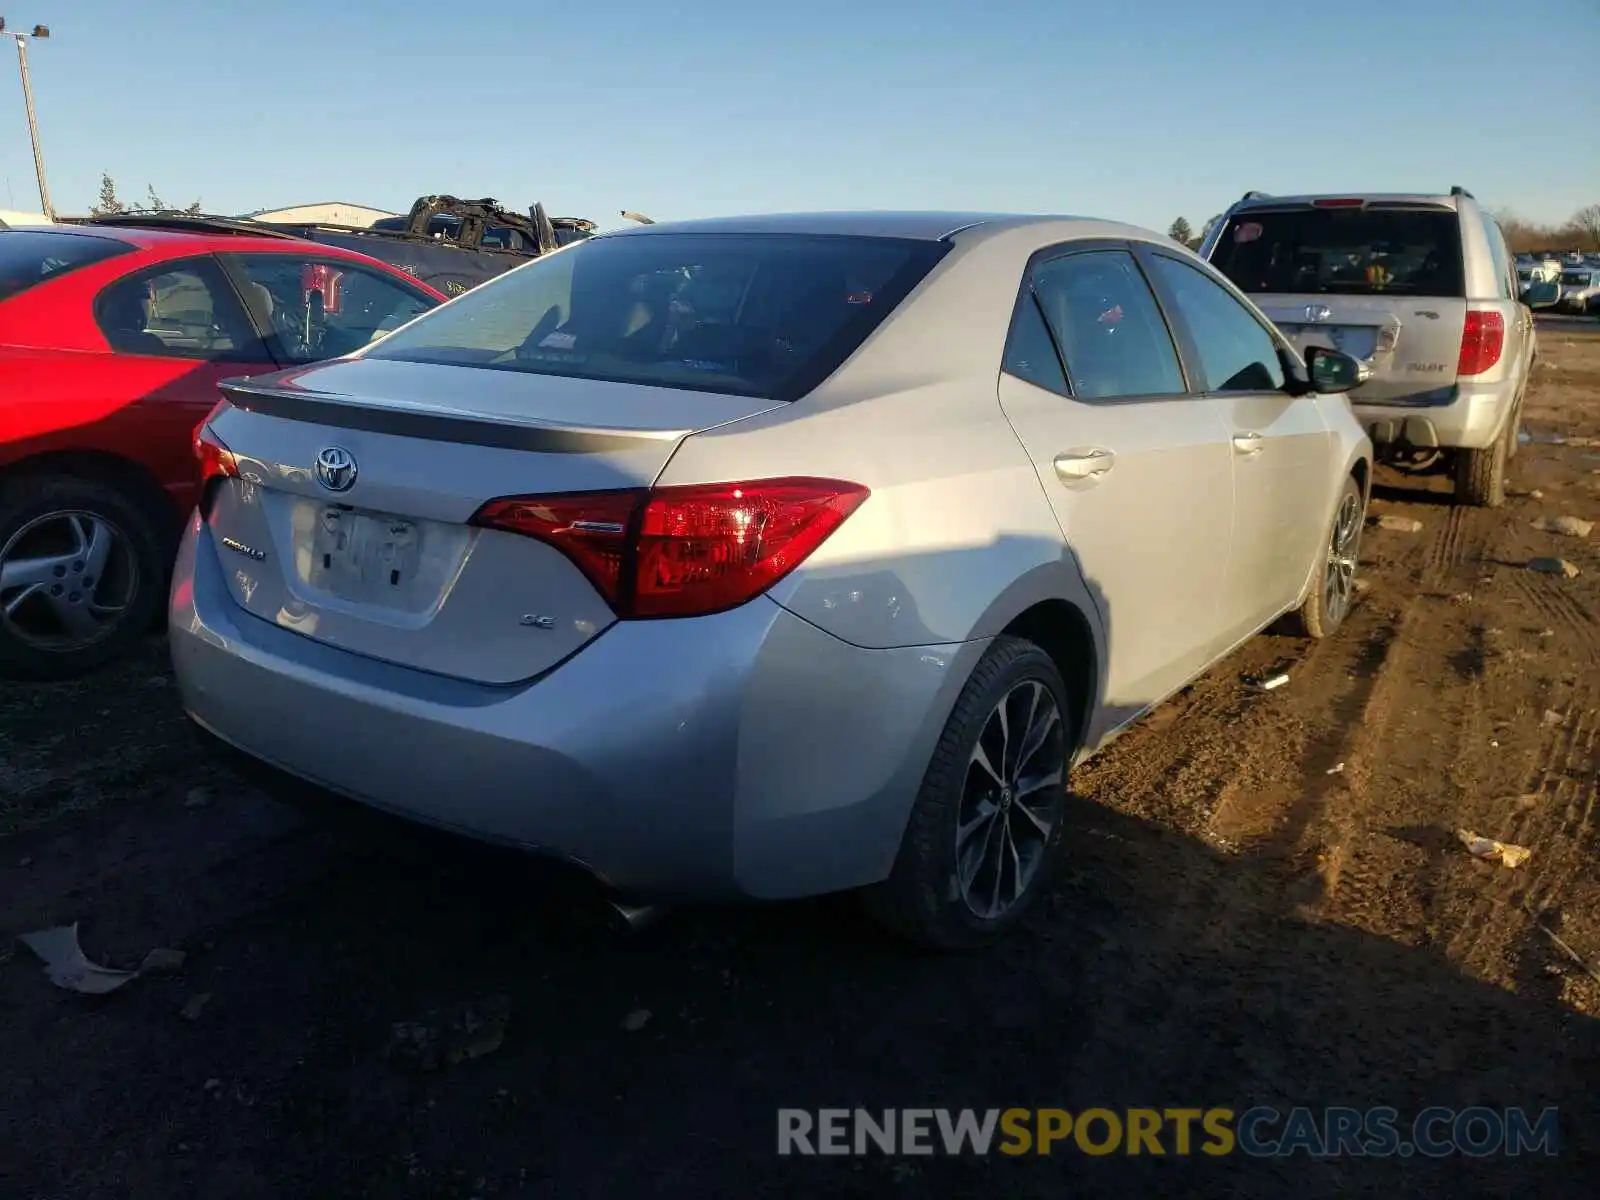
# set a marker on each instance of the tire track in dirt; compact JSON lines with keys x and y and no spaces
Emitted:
{"x":1322,"y":803}
{"x":1547,"y":598}
{"x":1462,"y":537}
{"x":1555,"y":816}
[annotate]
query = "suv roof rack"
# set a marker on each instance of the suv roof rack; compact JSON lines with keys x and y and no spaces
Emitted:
{"x":186,"y":223}
{"x":1254,"y":195}
{"x":1461,"y":191}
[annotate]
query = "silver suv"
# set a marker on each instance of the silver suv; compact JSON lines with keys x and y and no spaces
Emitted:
{"x":1423,"y":291}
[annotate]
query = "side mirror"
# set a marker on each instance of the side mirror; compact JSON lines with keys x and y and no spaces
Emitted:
{"x":1541,"y":293}
{"x":1334,"y":370}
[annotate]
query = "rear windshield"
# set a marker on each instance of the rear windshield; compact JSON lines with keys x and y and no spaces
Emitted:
{"x":765,"y":315}
{"x":1577,"y":278}
{"x":29,"y":257}
{"x":1343,"y":251}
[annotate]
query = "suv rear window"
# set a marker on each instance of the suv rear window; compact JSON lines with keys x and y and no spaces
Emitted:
{"x":1342,"y":251}
{"x":29,"y":257}
{"x":765,"y":315}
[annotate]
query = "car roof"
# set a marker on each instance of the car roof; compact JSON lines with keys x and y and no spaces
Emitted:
{"x":144,"y":238}
{"x":1435,"y":199}
{"x":159,"y":239}
{"x":915,"y":226}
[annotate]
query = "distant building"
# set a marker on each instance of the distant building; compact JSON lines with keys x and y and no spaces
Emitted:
{"x":13,"y":217}
{"x":332,"y":212}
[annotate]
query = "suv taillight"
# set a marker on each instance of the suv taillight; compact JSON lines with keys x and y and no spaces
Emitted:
{"x":683,"y":551}
{"x":212,"y":453}
{"x":1483,"y":337}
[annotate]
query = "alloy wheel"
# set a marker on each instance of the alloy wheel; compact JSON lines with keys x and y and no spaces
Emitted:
{"x":1012,"y":799}
{"x":67,"y":580}
{"x":1339,"y":579}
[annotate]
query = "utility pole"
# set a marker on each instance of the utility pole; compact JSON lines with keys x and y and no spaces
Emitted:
{"x":41,"y":32}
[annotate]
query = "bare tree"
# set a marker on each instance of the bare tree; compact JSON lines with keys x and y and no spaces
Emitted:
{"x":157,"y":205}
{"x":1587,"y":221}
{"x":108,"y":204}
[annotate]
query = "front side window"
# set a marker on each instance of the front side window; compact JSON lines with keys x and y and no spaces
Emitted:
{"x":1236,"y":353}
{"x":1112,"y":336}
{"x":765,"y":315}
{"x":1351,"y":251}
{"x":325,"y":307}
{"x":182,"y":309}
{"x":29,"y":257}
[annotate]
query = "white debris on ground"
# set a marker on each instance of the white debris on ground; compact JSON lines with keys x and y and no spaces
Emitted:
{"x":1398,"y":524}
{"x":1489,"y":850}
{"x":1565,"y":525}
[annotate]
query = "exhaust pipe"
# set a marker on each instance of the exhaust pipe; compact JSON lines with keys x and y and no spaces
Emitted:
{"x":632,"y":918}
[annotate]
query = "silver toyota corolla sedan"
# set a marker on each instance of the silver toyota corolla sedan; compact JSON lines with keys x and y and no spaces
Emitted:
{"x":771,"y":556}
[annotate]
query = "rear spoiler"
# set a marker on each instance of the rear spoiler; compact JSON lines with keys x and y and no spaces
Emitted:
{"x":290,"y":402}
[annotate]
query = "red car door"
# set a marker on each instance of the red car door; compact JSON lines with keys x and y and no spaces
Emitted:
{"x":177,"y":329}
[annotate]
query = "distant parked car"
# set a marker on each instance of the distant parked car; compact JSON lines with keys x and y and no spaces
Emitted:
{"x":768,"y":557}
{"x":1580,"y":290}
{"x":1422,"y":290}
{"x":112,"y":341}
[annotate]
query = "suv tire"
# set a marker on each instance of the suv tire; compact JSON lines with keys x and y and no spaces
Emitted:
{"x":1481,"y":474}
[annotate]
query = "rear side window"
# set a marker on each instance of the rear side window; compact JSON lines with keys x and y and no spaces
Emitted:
{"x":1342,"y":251}
{"x":29,"y":257}
{"x":1030,"y":352}
{"x":765,"y":315}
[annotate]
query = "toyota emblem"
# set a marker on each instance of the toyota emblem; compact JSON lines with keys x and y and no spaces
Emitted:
{"x":336,"y":469}
{"x":1318,"y":312}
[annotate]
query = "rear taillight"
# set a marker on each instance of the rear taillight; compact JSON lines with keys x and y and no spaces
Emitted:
{"x":683,"y":551}
{"x":1339,"y":202}
{"x":212,"y":453}
{"x":1483,"y":337}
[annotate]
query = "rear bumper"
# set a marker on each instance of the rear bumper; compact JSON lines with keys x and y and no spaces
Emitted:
{"x":1470,"y":420}
{"x":746,"y":754}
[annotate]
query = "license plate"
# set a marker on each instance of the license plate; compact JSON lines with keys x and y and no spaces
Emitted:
{"x":1358,"y":341}
{"x":363,"y":555}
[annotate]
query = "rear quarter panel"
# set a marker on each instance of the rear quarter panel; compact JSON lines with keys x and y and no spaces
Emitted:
{"x":957,"y":537}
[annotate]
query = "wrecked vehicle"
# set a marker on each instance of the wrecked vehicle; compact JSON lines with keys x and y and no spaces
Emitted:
{"x":447,"y":243}
{"x":453,"y":244}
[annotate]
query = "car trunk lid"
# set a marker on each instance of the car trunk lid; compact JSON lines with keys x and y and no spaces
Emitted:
{"x":349,"y":521}
{"x":1410,"y":345}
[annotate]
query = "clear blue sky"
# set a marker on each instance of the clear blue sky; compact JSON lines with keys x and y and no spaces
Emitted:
{"x":1137,"y":109}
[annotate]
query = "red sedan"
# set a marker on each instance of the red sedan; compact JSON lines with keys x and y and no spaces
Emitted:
{"x":112,"y":340}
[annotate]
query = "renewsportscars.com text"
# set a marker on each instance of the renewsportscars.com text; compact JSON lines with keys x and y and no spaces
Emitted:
{"x":1259,"y":1132}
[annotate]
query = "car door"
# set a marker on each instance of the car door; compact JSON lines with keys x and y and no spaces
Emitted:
{"x":314,"y":306}
{"x":177,"y":328}
{"x":1280,"y":444}
{"x":1138,"y":471}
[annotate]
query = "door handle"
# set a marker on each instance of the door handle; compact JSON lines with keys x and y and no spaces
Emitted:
{"x":1080,"y":465}
{"x":1247,"y":444}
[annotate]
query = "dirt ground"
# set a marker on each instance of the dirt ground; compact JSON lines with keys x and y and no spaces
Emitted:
{"x":1264,"y":903}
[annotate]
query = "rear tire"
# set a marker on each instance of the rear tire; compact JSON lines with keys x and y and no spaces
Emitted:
{"x":1481,"y":474}
{"x":42,"y":518}
{"x":980,"y":843}
{"x":1333,"y":593}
